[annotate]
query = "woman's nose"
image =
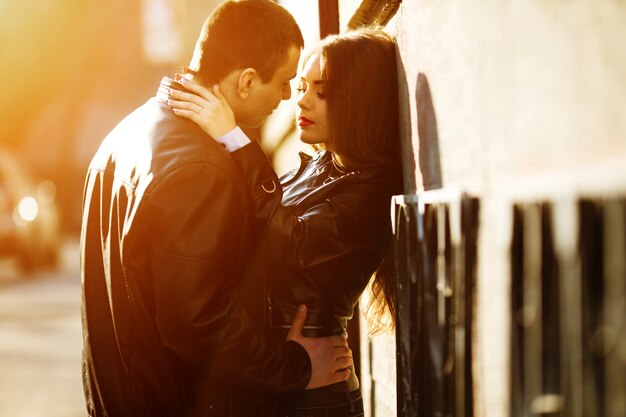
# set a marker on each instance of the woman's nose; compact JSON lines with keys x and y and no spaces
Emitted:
{"x":303,"y":101}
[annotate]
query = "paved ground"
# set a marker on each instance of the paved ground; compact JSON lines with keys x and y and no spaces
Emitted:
{"x":40,"y":340}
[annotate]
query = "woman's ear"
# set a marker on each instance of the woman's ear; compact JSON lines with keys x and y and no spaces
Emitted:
{"x":245,"y":82}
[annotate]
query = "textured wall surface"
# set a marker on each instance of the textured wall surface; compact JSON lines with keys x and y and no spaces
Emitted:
{"x":527,"y":100}
{"x":518,"y":89}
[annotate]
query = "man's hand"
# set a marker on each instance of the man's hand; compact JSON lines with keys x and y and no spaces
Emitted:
{"x":330,"y":356}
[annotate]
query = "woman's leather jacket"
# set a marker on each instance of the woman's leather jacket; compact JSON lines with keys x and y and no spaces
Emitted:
{"x":324,"y":239}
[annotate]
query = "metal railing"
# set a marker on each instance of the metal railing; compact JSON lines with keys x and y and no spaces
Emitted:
{"x":435,"y":237}
{"x":568,"y":268}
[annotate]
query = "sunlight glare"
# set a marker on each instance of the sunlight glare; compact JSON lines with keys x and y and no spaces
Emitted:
{"x":28,"y":209}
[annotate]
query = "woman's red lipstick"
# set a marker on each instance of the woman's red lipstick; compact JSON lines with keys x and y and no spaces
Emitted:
{"x":303,"y":121}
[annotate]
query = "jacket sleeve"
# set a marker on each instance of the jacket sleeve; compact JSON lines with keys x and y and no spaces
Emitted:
{"x":193,"y":248}
{"x":260,"y":180}
{"x":355,"y":216}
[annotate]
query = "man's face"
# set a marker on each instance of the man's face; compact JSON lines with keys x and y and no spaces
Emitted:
{"x":264,"y":98}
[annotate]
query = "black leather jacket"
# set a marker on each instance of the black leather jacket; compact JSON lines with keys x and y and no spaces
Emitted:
{"x":324,"y":240}
{"x":167,"y":225}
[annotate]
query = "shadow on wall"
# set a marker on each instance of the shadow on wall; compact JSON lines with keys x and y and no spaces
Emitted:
{"x":430,"y":160}
{"x":428,"y":136}
{"x":408,"y":161}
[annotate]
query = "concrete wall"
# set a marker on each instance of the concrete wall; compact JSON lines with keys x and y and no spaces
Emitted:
{"x":529,"y":100}
{"x":519,"y":89}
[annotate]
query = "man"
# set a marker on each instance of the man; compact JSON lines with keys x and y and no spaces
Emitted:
{"x":165,"y":236}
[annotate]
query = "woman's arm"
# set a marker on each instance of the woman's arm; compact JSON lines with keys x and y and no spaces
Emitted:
{"x":213,"y":114}
{"x":339,"y":224}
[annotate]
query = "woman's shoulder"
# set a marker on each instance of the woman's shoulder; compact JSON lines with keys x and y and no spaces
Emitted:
{"x":305,"y":159}
{"x":376,"y":177}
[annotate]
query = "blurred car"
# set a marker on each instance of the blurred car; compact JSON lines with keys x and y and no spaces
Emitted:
{"x":29,"y":217}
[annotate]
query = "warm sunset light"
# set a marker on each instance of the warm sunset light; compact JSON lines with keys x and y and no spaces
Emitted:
{"x":28,"y":209}
{"x":333,"y":208}
{"x":70,"y":70}
{"x":46,"y":191}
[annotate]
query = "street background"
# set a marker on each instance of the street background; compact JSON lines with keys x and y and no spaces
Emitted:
{"x":519,"y":104}
{"x":40,"y":339}
{"x":70,"y":72}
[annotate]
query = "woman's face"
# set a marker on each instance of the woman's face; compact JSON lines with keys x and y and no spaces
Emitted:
{"x":312,"y":115}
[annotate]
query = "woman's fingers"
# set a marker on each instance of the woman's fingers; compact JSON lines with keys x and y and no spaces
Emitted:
{"x":188,"y":110}
{"x":183,"y":96}
{"x":187,"y":114}
{"x":197,"y":88}
{"x":209,"y":109}
{"x":184,"y":105}
{"x":211,"y":112}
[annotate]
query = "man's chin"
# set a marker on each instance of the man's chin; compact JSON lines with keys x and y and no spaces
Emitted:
{"x":253,"y":124}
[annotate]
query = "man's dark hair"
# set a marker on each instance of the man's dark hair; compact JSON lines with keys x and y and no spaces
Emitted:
{"x":245,"y":34}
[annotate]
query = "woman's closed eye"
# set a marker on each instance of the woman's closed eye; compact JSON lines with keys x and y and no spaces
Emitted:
{"x":303,"y":86}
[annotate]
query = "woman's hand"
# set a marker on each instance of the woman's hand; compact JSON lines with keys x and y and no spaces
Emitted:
{"x":207,"y":109}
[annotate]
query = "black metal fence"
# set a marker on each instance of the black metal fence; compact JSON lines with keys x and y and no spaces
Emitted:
{"x":568,"y":266}
{"x":435,"y":249}
{"x":568,"y":306}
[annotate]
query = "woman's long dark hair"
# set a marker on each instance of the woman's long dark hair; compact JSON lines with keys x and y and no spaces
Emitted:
{"x":383,"y":301}
{"x":359,"y":69}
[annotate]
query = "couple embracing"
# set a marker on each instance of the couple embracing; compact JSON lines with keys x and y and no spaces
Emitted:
{"x":210,"y":286}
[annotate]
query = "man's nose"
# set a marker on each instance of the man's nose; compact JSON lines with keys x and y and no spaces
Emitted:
{"x":286,"y":92}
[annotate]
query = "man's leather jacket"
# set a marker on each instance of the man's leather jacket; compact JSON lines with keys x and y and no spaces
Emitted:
{"x":167,"y":226}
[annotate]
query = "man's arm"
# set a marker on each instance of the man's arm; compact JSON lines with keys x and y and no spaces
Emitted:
{"x":197,"y":222}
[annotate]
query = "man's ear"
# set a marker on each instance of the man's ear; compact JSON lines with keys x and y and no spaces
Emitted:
{"x":245,"y":82}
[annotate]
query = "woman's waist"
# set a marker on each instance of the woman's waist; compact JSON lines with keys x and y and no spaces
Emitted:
{"x":324,"y":395}
{"x":319,"y":322}
{"x":282,"y":327}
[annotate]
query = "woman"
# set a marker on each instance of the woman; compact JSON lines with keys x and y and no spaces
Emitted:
{"x":330,"y":231}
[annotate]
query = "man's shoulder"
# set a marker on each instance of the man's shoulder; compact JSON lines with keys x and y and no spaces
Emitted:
{"x":153,"y":131}
{"x":152,"y":144}
{"x":183,"y":145}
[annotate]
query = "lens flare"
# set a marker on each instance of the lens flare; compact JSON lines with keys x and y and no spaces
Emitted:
{"x":28,"y":208}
